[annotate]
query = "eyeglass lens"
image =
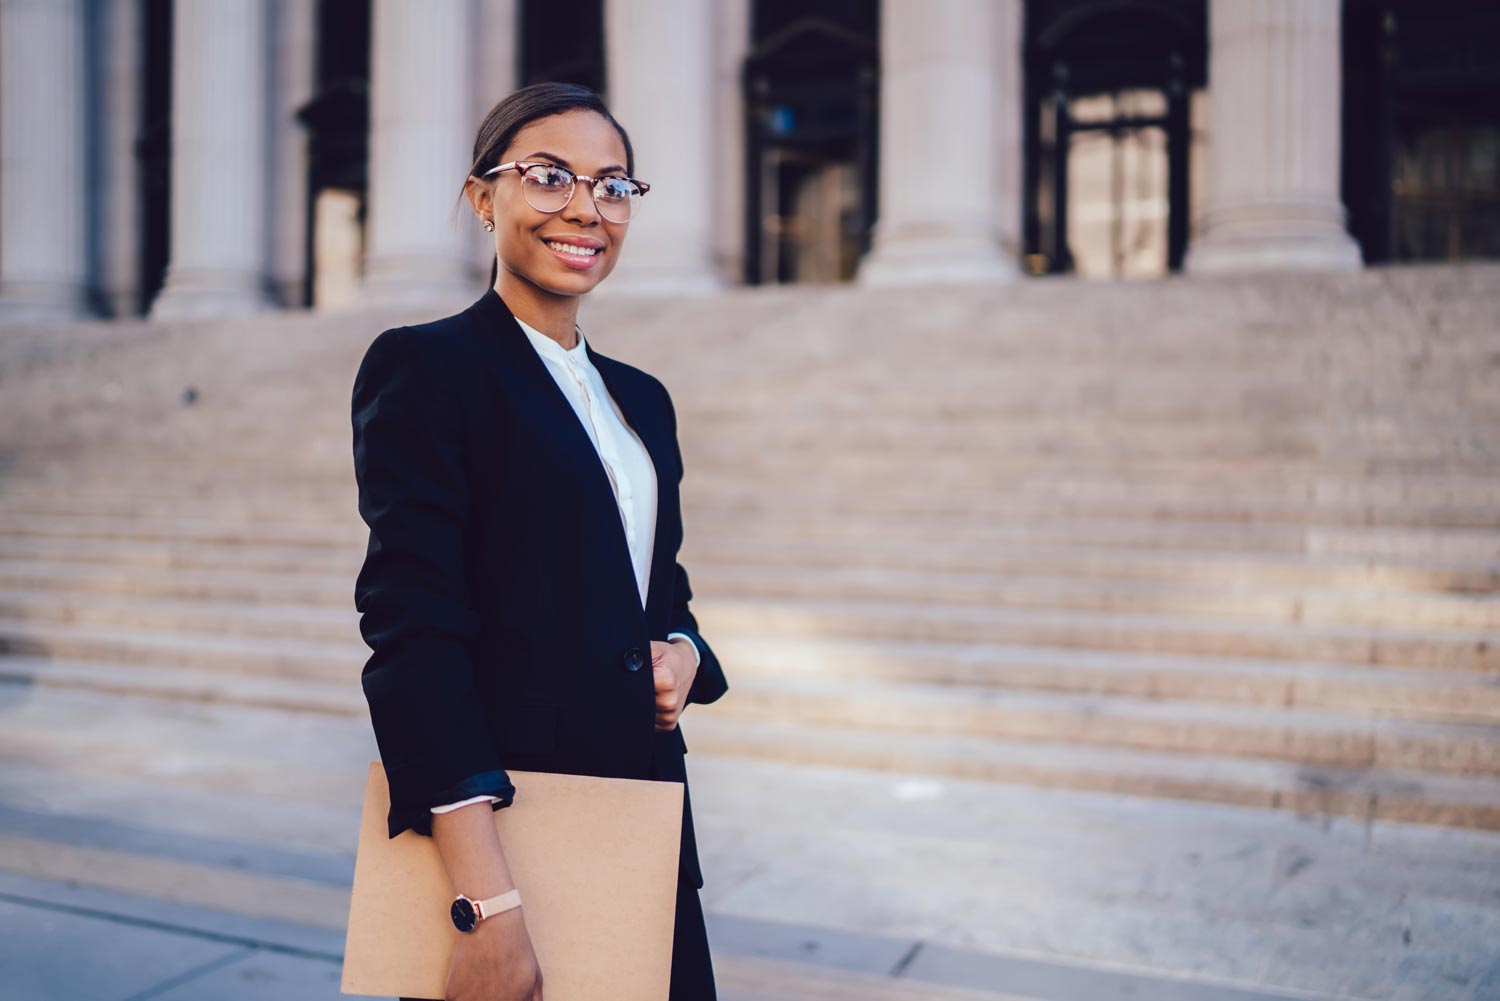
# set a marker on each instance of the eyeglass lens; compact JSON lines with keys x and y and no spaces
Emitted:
{"x":547,"y":189}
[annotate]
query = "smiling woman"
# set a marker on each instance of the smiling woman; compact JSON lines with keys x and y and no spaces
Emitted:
{"x":532,"y":201}
{"x":521,"y":491}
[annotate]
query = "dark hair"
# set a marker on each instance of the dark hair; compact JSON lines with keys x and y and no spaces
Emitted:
{"x":522,"y":107}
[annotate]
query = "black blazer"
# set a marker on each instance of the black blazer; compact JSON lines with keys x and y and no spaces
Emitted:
{"x":497,"y":592}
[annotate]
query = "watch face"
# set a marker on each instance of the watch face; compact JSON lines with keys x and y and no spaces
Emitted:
{"x":464,"y":918}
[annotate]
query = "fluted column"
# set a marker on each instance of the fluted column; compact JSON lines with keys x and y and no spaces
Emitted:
{"x":1274,"y":121}
{"x":950,"y":98}
{"x":220,"y":65}
{"x":733,"y":45}
{"x":498,"y":73}
{"x":119,"y":209}
{"x":660,"y":63}
{"x":295,"y":31}
{"x":45,"y":176}
{"x":422,"y":57}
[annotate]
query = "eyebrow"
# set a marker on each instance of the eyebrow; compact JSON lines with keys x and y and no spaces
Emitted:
{"x":614,"y":167}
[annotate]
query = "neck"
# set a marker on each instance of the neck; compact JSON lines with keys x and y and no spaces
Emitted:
{"x":554,"y":315}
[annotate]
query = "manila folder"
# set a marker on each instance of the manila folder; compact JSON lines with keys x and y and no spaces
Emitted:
{"x":595,"y":860}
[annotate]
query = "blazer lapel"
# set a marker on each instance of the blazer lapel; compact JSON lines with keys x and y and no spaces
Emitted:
{"x":639,"y":413}
{"x":648,"y":421}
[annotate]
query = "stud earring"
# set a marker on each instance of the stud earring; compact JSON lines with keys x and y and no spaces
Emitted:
{"x":489,"y":227}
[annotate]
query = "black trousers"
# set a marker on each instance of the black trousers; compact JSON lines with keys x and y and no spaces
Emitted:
{"x":692,"y":966}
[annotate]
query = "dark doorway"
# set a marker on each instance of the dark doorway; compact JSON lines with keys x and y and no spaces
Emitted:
{"x":153,"y":149}
{"x":564,"y":42}
{"x":1421,"y":164}
{"x":1108,"y":133}
{"x":812,"y":87}
{"x":337,"y":119}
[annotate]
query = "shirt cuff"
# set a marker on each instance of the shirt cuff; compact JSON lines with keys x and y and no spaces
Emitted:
{"x":697,"y":654}
{"x":464,"y":802}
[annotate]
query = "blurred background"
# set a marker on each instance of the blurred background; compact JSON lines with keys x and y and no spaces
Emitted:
{"x":1089,"y":410}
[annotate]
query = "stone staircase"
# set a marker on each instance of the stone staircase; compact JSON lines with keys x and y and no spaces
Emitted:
{"x":1233,"y":540}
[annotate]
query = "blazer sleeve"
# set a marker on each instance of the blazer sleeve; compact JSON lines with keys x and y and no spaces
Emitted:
{"x":416,"y":609}
{"x":709,"y":683}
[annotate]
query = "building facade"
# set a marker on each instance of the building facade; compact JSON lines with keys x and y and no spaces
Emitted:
{"x":223,"y":157}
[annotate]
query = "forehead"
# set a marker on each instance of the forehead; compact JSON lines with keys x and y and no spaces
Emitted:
{"x":583,"y":138}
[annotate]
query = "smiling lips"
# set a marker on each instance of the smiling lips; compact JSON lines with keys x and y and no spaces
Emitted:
{"x":574,"y":255}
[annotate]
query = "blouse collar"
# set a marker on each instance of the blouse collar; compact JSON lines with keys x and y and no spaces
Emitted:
{"x":549,"y":348}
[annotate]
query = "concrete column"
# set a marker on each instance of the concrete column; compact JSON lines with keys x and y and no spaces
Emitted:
{"x":1274,"y":121}
{"x":44,"y":170}
{"x":295,"y":31}
{"x":733,"y":37}
{"x":950,"y":100}
{"x":119,"y":207}
{"x":220,"y":160}
{"x":660,"y":61}
{"x":422,"y":76}
{"x":498,"y":73}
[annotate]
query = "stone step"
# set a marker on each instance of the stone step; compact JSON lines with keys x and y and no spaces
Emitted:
{"x":1380,"y":792}
{"x":1297,"y":734}
{"x":1430,"y":649}
{"x":1367,"y":794}
{"x":995,"y":470}
{"x":187,"y":529}
{"x":757,"y":978}
{"x":796,"y":556}
{"x":125,"y":613}
{"x":181,"y":555}
{"x":1437,"y":544}
{"x":149,"y":485}
{"x":215,"y":655}
{"x":191,"y":684}
{"x":1254,"y":602}
{"x":1449,"y":649}
{"x":1308,"y":736}
{"x":1247,"y":571}
{"x":1370,"y":690}
{"x":1453,"y":650}
{"x":1358,"y":691}
{"x":722,"y":495}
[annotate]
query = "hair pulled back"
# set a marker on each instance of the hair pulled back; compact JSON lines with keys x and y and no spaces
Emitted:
{"x":529,"y":104}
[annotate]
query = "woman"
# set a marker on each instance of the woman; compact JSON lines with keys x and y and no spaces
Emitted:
{"x":522,"y":496}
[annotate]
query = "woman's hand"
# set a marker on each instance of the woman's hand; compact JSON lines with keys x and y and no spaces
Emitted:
{"x":674,"y":666}
{"x":495,"y":962}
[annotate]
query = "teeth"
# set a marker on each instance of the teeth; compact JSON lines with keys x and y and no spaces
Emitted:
{"x":567,"y":248}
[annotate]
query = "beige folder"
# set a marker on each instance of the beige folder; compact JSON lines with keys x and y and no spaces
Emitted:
{"x":595,"y":860}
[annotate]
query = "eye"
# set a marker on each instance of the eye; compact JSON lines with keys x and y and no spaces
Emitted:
{"x":547,"y":176}
{"x":616,"y":189}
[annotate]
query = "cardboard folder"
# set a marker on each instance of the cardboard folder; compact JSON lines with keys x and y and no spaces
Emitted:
{"x":595,"y":860}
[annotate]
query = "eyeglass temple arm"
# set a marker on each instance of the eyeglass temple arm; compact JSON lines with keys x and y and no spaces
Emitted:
{"x":517,"y":163}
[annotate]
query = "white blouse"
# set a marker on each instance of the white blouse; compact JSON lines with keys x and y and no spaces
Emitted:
{"x":626,"y":461}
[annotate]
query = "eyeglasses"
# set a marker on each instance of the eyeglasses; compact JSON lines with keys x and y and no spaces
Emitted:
{"x":547,"y":187}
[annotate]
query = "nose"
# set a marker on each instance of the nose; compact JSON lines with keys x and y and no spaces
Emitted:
{"x":581,"y":207}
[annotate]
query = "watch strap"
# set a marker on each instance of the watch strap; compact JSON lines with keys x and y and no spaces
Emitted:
{"x":496,"y":904}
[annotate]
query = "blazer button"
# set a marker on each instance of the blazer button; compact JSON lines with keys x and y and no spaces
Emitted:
{"x":634,"y":659}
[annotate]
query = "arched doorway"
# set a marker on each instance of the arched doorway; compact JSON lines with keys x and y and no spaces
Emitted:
{"x":153,"y":149}
{"x":1421,"y":165}
{"x":811,"y":84}
{"x":337,"y":119}
{"x":1109,"y":134}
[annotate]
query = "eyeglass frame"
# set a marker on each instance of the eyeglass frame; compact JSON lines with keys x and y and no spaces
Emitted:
{"x":521,"y":166}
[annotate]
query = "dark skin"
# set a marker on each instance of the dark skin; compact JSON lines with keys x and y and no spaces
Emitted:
{"x":496,"y":962}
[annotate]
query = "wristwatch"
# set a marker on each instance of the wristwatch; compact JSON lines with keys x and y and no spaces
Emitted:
{"x":468,"y":913}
